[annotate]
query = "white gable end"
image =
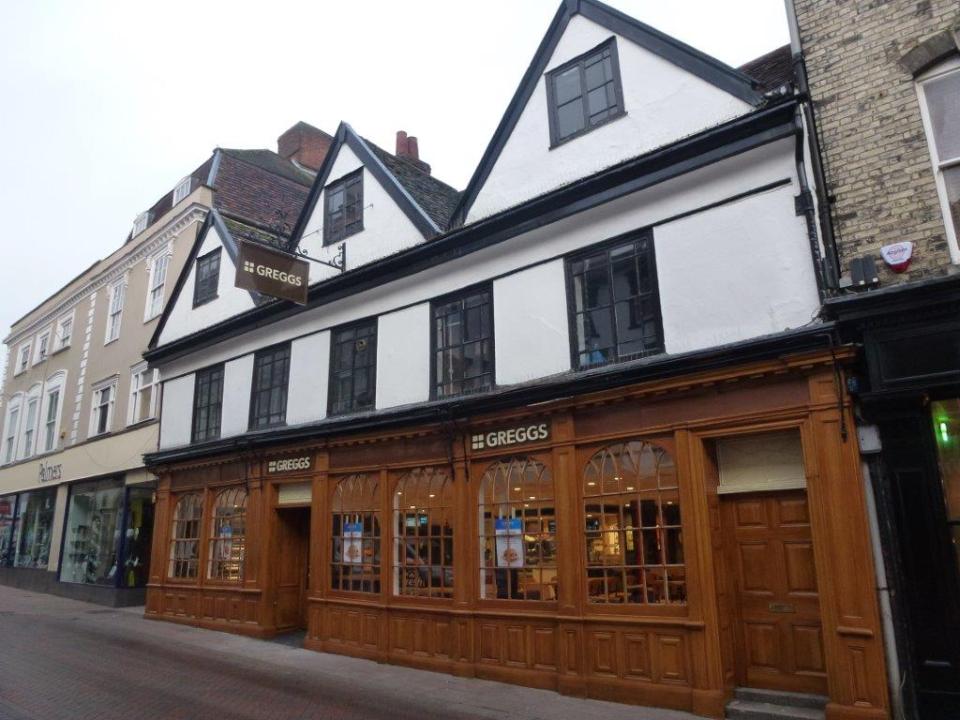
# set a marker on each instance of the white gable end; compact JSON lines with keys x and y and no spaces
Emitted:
{"x":663,"y":104}
{"x":386,"y":229}
{"x":185,"y":319}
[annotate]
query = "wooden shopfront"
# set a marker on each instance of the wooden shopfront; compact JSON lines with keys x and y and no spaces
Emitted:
{"x":657,"y":544}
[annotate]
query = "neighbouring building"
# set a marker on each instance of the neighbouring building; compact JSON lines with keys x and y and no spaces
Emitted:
{"x":579,"y":427}
{"x":81,"y":405}
{"x":884,"y":79}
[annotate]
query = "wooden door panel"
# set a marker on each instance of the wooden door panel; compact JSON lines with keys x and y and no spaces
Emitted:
{"x":778,"y":636}
{"x":293,"y":540}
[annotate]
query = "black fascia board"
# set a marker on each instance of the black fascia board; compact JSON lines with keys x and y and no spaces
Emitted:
{"x":346,"y":135}
{"x":569,"y":384}
{"x":674,"y":51}
{"x":909,"y":297}
{"x":697,"y":151}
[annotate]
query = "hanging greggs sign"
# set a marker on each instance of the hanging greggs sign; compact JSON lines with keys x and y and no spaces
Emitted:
{"x":272,"y":272}
{"x":510,"y":436}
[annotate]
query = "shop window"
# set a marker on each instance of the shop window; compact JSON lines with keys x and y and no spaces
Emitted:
{"x":463,"y":343}
{"x":207,"y":278}
{"x":8,"y":504}
{"x":355,"y":564}
{"x":185,"y":537}
{"x":138,"y":537}
{"x":423,"y":544}
{"x":268,"y":402}
{"x":518,"y":531}
{"x":946,"y":428}
{"x":94,"y":526}
{"x":940,"y":104}
{"x":227,"y":535}
{"x":584,"y":93}
{"x":343,"y":215}
{"x":32,"y":526}
{"x":616,"y":307}
{"x":207,"y":404}
{"x":353,"y":367}
{"x":634,"y":541}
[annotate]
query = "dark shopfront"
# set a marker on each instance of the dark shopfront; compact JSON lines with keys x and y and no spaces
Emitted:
{"x":104,"y":540}
{"x":594,"y":545}
{"x":909,"y":387}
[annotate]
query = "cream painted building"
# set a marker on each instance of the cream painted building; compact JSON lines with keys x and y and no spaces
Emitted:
{"x":80,"y":405}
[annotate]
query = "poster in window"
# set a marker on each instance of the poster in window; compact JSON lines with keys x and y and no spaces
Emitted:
{"x":509,"y":533}
{"x":352,"y":543}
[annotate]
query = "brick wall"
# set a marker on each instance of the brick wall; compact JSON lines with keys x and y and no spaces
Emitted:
{"x":876,"y":156}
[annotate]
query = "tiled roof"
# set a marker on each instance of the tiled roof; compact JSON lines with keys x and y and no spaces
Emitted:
{"x":244,"y":231}
{"x":273,"y":163}
{"x":772,"y":69}
{"x":436,"y":198}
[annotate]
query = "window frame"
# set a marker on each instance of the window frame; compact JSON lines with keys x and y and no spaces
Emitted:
{"x":137,"y":386}
{"x":29,"y":428}
{"x":182,"y":189}
{"x":253,"y":423}
{"x":199,"y":375}
{"x":352,"y":177}
{"x":606,"y":246}
{"x":552,"y":110}
{"x":58,"y":341}
{"x":375,"y":537}
{"x":398,"y":542}
{"x":56,"y":383}
{"x":95,"y":406}
{"x":11,"y":427}
{"x":117,"y":289}
{"x":40,"y":354}
{"x":206,"y":257}
{"x":443,"y":300}
{"x":24,"y":351}
{"x":160,"y":259}
{"x":939,"y":165}
{"x":175,"y":539}
{"x":215,"y":537}
{"x":372,"y":368}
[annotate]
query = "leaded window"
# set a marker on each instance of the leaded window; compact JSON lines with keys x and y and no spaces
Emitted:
{"x":207,"y":278}
{"x":268,"y":402}
{"x":518,"y":531}
{"x":207,"y":404}
{"x":355,"y":563}
{"x":634,"y":540}
{"x":228,"y":525}
{"x":185,"y":536}
{"x":463,"y":343}
{"x":584,"y":93}
{"x":424,"y":519}
{"x":343,"y":215}
{"x":353,"y":368}
{"x":616,"y":305}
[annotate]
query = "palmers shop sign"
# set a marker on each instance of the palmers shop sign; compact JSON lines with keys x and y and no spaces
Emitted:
{"x":510,"y":436}
{"x":272,"y":272}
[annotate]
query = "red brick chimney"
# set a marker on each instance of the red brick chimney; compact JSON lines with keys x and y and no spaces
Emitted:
{"x":409,"y":148}
{"x":304,"y":144}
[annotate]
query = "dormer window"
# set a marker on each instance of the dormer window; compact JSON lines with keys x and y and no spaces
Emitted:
{"x":182,"y":190}
{"x":140,"y":224}
{"x":584,"y":93}
{"x":343,"y":214}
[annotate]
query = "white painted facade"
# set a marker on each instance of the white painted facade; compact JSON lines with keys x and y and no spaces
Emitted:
{"x":663,"y":104}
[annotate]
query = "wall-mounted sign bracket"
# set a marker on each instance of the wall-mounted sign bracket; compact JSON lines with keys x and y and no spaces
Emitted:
{"x":339,"y":261}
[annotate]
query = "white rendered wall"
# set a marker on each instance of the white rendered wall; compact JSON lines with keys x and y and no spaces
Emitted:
{"x":532,"y":336}
{"x":386,"y":229}
{"x":185,"y":319}
{"x":663,"y":104}
{"x":237,"y":380}
{"x":309,"y":373}
{"x":735,"y":272}
{"x":403,"y":356}
{"x":177,"y":413}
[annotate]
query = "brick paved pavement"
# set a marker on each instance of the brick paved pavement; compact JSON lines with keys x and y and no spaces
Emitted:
{"x":62,"y":659}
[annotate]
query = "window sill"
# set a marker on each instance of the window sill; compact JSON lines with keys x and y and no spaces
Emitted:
{"x":151,"y":318}
{"x":205,"y":301}
{"x":58,"y":351}
{"x":113,"y":340}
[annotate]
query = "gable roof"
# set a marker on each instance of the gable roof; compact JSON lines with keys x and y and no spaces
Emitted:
{"x":679,"y":53}
{"x":426,"y":201}
{"x":772,"y":69}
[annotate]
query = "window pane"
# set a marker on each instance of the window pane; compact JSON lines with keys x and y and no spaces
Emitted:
{"x":32,"y":528}
{"x":91,"y":542}
{"x":227,"y":536}
{"x":597,"y":101}
{"x":570,"y":118}
{"x":567,"y":85}
{"x":355,"y":561}
{"x":598,"y":71}
{"x":423,"y":540}
{"x":943,"y":103}
{"x":951,"y":179}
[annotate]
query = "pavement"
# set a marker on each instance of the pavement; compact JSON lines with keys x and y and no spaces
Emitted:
{"x":65,"y":659}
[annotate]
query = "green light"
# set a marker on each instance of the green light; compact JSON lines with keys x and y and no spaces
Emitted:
{"x":944,"y":432}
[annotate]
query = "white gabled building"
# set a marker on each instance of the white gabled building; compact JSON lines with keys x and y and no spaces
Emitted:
{"x":506,"y":433}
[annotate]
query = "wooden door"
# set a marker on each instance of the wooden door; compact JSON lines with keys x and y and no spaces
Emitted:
{"x":778,"y":639}
{"x":292,"y":569}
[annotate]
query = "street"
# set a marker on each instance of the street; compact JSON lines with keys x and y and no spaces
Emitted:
{"x":65,"y":659}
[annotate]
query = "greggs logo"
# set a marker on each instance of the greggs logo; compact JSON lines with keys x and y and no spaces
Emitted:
{"x":272,"y":273}
{"x":510,"y":436}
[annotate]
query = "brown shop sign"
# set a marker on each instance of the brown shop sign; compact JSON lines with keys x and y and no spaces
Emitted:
{"x":272,"y":272}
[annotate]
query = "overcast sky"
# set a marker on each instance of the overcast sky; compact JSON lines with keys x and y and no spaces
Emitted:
{"x":104,"y":106}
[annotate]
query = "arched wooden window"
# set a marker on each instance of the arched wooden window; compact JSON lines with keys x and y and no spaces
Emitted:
{"x":355,"y":565}
{"x":518,"y":526}
{"x":228,"y":527}
{"x":632,"y":522}
{"x":185,"y":536}
{"x":423,"y":541}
